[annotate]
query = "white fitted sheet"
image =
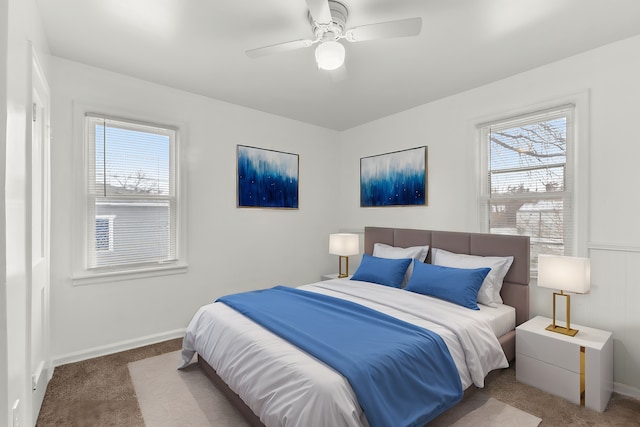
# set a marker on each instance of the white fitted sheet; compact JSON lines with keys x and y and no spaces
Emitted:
{"x":285,"y":386}
{"x":501,"y":319}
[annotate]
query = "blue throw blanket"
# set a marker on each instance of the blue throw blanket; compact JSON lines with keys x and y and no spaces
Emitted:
{"x":403,"y":375}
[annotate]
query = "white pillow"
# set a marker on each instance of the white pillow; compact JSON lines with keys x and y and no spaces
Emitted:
{"x":489,"y":293}
{"x":419,"y":253}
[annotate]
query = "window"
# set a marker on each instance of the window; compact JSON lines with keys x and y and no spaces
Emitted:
{"x":131,"y":212}
{"x":528,"y":179}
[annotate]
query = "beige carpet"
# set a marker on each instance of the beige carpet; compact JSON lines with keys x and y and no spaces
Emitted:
{"x":169,"y":397}
{"x":186,"y":398}
{"x":479,"y":410}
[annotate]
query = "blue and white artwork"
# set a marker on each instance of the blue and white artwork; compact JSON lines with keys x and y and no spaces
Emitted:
{"x":394,"y":179}
{"x":267,"y":178}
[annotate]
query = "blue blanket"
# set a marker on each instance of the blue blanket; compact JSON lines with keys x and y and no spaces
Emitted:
{"x":403,"y":375}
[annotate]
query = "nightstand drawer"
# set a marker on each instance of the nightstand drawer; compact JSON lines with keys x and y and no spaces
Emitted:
{"x":549,"y":378}
{"x":554,"y":352}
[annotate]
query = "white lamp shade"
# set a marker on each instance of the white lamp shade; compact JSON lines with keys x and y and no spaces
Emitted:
{"x":330,"y":55}
{"x":344,"y":244}
{"x":571,"y":274}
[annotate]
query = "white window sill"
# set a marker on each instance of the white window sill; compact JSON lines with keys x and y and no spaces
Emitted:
{"x":88,"y":278}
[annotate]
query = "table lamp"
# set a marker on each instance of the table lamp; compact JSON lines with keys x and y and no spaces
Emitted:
{"x":344,"y":245}
{"x":570,"y":274}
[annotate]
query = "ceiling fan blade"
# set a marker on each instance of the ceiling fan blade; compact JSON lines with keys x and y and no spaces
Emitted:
{"x":385,"y":30}
{"x":319,"y":10}
{"x":278,"y":48}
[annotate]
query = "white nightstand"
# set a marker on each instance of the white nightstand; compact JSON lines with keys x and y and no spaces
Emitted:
{"x":555,"y":363}
{"x":333,"y":276}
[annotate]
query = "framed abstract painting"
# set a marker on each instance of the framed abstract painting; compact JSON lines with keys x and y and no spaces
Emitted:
{"x":267,"y":178}
{"x":394,"y":179}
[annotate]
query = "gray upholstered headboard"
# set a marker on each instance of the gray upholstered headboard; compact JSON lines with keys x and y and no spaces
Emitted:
{"x":515,"y":289}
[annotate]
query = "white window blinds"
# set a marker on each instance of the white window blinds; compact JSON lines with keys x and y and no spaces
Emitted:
{"x":528,"y":186}
{"x":131,"y":185}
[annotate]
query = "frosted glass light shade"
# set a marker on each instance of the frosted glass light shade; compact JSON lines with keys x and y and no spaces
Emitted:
{"x":571,"y":274}
{"x":330,"y":55}
{"x":344,"y":244}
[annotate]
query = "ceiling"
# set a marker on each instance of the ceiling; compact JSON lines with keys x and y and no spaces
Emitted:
{"x":198,"y":46}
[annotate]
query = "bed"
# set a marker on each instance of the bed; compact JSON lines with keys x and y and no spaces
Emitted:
{"x":260,"y":373}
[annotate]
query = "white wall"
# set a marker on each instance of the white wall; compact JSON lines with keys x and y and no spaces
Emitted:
{"x":229,"y":249}
{"x":21,"y":24}
{"x":610,"y":76}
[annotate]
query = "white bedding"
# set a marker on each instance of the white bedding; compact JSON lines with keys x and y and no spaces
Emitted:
{"x":501,"y":319}
{"x":286,"y":387}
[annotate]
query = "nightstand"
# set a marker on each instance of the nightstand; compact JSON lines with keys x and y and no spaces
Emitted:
{"x":333,"y":276}
{"x":579,"y":369}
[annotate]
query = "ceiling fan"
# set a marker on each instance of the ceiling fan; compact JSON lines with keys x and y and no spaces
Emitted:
{"x":328,"y":20}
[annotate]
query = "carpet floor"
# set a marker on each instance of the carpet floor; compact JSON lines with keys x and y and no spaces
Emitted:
{"x":99,"y":392}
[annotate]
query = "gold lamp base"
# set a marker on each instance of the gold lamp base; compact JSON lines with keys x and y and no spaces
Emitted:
{"x":559,"y":329}
{"x":341,"y":273}
{"x":562,"y":330}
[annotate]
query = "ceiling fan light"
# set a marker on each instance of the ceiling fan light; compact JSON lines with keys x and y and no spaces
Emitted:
{"x":330,"y":55}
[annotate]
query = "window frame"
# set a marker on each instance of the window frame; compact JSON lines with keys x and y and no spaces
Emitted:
{"x":577,"y":162}
{"x":82,"y":274}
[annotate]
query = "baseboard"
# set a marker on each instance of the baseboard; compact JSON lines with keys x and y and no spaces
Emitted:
{"x":116,"y":347}
{"x":627,"y":390}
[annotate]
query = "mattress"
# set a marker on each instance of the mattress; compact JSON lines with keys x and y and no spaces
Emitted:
{"x":285,"y":386}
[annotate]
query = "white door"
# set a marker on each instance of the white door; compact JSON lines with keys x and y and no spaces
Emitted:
{"x":40,"y":369}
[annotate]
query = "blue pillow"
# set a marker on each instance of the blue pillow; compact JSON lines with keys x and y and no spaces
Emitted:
{"x":457,"y":285}
{"x":383,"y":271}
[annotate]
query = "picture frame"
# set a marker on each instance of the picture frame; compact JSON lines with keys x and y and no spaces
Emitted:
{"x":267,"y":178}
{"x":398,"y":178}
